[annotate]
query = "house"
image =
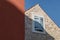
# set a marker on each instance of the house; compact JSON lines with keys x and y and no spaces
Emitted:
{"x":39,"y":26}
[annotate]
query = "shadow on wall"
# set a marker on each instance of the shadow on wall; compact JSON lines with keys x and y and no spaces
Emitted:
{"x":11,"y":22}
{"x":29,"y":35}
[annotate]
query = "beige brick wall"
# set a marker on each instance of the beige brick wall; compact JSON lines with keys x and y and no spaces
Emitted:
{"x":51,"y":29}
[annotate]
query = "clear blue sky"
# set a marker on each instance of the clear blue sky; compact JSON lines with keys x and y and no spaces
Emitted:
{"x":51,"y":7}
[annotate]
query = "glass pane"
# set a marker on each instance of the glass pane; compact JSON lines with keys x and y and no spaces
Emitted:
{"x":38,"y":22}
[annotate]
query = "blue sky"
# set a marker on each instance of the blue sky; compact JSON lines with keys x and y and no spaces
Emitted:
{"x":51,"y":7}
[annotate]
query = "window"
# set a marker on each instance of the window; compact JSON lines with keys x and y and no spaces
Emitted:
{"x":38,"y":24}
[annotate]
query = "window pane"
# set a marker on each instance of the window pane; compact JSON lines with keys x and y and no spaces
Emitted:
{"x":38,"y":22}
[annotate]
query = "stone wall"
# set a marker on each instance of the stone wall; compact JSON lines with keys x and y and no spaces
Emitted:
{"x":52,"y":32}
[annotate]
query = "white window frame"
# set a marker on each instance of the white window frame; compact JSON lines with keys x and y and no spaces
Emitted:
{"x":33,"y":29}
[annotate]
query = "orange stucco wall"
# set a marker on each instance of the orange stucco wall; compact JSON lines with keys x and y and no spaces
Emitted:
{"x":11,"y":19}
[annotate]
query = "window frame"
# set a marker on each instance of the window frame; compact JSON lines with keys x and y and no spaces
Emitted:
{"x":33,"y":29}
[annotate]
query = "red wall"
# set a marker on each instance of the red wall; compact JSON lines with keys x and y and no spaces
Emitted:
{"x":11,"y":20}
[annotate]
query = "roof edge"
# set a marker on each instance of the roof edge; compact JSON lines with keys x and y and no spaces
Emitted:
{"x":32,"y":7}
